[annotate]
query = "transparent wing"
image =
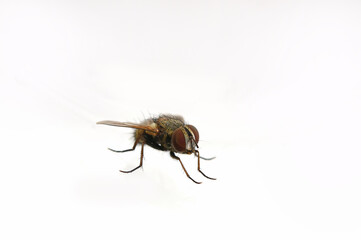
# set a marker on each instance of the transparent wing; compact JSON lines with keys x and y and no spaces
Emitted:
{"x":151,"y":127}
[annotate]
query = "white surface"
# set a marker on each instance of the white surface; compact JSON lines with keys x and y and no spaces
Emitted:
{"x":273,"y":88}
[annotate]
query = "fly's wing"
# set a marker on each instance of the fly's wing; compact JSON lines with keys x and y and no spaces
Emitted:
{"x":147,"y":127}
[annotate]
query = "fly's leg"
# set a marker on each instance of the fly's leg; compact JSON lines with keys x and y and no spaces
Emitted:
{"x":207,"y":158}
{"x":199,"y":165}
{"x":141,"y":160}
{"x":175,"y":157}
{"x":128,"y":150}
{"x":201,"y":156}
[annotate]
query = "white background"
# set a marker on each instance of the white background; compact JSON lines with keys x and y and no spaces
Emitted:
{"x":272,"y":86}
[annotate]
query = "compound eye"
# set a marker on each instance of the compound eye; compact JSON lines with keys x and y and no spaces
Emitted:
{"x":178,"y":140}
{"x":195,"y":132}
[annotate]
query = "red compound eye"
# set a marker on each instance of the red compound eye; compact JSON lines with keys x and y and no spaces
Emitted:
{"x":178,"y":140}
{"x":195,"y":132}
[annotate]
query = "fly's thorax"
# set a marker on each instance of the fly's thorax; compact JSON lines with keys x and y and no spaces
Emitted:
{"x":169,"y":123}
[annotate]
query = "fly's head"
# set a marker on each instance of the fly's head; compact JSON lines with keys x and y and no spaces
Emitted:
{"x":185,"y":139}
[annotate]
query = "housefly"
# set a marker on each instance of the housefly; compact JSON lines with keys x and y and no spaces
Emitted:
{"x":166,"y":133}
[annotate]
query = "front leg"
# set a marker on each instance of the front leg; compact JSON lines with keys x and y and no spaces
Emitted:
{"x":175,"y":157}
{"x":199,"y":165}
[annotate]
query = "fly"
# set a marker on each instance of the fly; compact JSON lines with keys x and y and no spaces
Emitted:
{"x":165,"y":133}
